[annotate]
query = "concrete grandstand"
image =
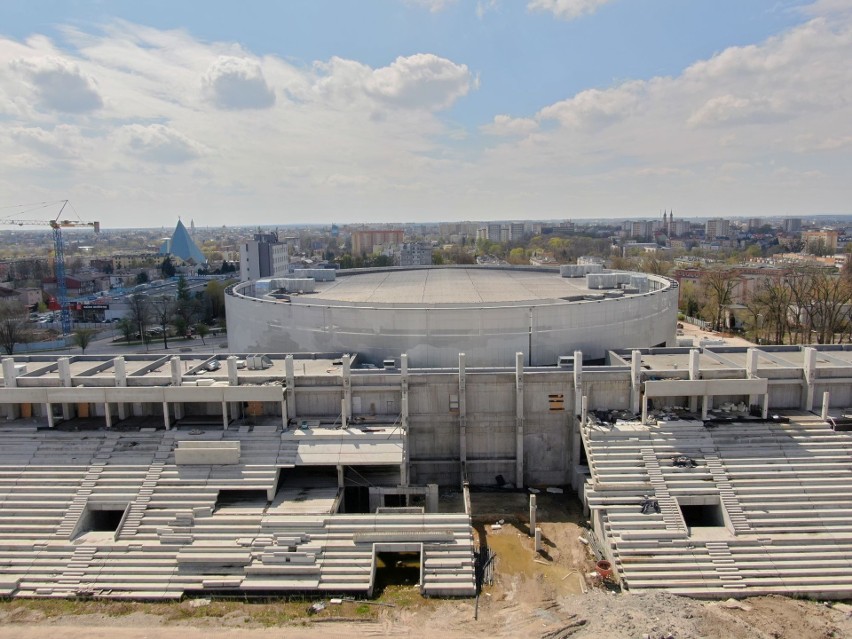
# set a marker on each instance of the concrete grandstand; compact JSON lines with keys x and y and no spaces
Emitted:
{"x":152,"y":476}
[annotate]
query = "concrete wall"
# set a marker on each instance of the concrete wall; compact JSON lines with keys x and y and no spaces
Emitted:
{"x":434,"y":336}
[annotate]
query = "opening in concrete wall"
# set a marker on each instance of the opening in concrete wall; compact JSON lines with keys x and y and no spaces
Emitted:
{"x":100,"y":517}
{"x":227,"y":498}
{"x":396,"y":569}
{"x":706,"y":513}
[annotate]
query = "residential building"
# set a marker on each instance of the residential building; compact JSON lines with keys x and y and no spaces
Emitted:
{"x":263,"y":256}
{"x":820,"y":241}
{"x":717,"y":227}
{"x":364,"y":241}
{"x":415,"y":254}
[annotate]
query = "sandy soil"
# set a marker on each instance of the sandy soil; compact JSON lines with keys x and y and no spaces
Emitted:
{"x":532,"y":596}
{"x":690,"y":330}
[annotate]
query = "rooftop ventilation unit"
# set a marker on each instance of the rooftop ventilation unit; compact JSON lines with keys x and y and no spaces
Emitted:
{"x":258,"y":362}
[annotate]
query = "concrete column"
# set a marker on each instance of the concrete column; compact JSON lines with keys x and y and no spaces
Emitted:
{"x":177,"y":378}
{"x":765,"y":413}
{"x":177,"y":374}
{"x":578,"y":381}
{"x":376,"y":498}
{"x":533,"y":512}
{"x":462,"y":418}
{"x":107,"y":415}
{"x":432,"y":498}
{"x":49,"y":411}
{"x":233,"y":376}
{"x":751,"y":372}
{"x":291,"y":387}
{"x":809,"y":372}
{"x":233,"y":380}
{"x":346,"y":370}
{"x":10,"y":379}
{"x":340,"y":480}
{"x":826,"y":397}
{"x":344,"y":418}
{"x":284,"y":414}
{"x":705,"y":406}
{"x":584,"y":409}
{"x":120,"y":381}
{"x":519,"y":420}
{"x":224,"y":415}
{"x":65,"y":380}
{"x":636,"y":382}
{"x":403,"y":417}
{"x":644,"y":409}
{"x":751,"y":363}
{"x":694,"y":373}
{"x":538,"y":540}
{"x":166,"y":419}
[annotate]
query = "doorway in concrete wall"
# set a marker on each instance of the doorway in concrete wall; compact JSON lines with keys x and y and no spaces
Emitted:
{"x":397,"y":567}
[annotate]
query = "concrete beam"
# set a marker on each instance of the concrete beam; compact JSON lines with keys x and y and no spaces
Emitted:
{"x":10,"y":380}
{"x":462,"y":417}
{"x":636,"y":381}
{"x":519,"y":420}
{"x":694,"y":374}
{"x":291,"y":387}
{"x":64,"y":364}
{"x":403,"y":408}
{"x":578,"y":380}
{"x":120,"y":369}
{"x":809,"y":377}
{"x":346,"y":371}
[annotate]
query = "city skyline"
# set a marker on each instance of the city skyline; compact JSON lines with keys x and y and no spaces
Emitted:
{"x":426,"y":110}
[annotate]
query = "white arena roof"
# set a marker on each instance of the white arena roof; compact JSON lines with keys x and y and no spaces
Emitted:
{"x":448,"y":286}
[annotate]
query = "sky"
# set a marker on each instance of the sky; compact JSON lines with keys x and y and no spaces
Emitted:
{"x":319,"y":111}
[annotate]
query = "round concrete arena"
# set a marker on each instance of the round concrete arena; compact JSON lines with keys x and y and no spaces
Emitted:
{"x":435,"y":313}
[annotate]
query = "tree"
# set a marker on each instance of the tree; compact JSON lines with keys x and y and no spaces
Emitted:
{"x":718,"y":286}
{"x":125,"y":325}
{"x":163,"y":309}
{"x":518,"y":256}
{"x":83,"y":337}
{"x":203,"y":331}
{"x":140,"y":312}
{"x":142,"y":277}
{"x":167,"y":267}
{"x":13,"y":325}
{"x":182,"y":293}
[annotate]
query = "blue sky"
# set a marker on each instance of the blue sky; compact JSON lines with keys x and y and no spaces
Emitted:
{"x":281,"y":112}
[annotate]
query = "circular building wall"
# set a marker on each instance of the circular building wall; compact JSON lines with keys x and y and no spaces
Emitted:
{"x":435,"y":313}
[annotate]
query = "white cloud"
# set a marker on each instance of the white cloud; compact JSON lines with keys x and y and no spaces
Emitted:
{"x":59,"y":85}
{"x":505,"y":125}
{"x":237,"y":83}
{"x":595,"y":108}
{"x":484,"y":6}
{"x":423,"y":80}
{"x":728,"y":109}
{"x":567,"y":9}
{"x":165,"y":138}
{"x":433,"y":6}
{"x":62,"y":142}
{"x":157,"y":143}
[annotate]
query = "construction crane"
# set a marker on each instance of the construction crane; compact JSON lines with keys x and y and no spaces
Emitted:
{"x":56,"y":224}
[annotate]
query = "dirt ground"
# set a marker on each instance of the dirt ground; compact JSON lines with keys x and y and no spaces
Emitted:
{"x":536,"y":596}
{"x":690,"y":330}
